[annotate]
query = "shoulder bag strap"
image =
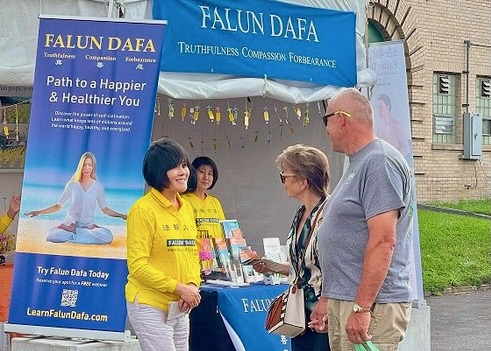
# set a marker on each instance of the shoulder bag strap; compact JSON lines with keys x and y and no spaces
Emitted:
{"x":301,"y":258}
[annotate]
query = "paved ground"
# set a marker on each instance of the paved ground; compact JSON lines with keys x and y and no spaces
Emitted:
{"x":461,"y":321}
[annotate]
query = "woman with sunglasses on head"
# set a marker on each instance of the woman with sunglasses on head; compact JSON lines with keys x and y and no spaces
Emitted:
{"x":163,"y":264}
{"x":304,"y":171}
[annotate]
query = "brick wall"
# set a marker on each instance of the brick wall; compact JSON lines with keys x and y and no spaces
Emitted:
{"x":434,"y":33}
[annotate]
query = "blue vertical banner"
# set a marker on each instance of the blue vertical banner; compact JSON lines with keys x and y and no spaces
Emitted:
{"x":93,"y":102}
{"x":259,"y":38}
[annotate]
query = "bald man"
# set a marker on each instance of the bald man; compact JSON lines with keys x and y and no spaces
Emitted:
{"x":365,"y":238}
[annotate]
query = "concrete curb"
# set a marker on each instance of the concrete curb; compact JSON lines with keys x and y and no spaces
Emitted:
{"x":461,"y":290}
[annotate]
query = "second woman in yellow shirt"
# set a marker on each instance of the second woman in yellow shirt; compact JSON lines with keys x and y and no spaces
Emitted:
{"x":206,"y":207}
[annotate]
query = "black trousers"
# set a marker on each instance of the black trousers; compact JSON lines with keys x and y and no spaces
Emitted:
{"x":311,"y":341}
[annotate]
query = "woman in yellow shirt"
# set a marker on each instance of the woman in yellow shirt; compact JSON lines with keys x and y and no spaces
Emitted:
{"x":206,"y":207}
{"x":7,"y":218}
{"x":163,"y":263}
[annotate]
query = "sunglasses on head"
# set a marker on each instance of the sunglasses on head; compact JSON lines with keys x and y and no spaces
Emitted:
{"x":325,"y":117}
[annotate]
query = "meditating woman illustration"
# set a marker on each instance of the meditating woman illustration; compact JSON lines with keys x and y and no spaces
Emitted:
{"x":83,"y":191}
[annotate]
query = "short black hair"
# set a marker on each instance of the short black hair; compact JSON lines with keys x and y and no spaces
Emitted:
{"x":204,"y":160}
{"x":192,"y":181}
{"x":163,"y":155}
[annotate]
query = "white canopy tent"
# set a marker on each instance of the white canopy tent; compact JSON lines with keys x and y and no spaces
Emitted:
{"x":18,"y":42}
{"x":244,"y":189}
{"x":239,"y":192}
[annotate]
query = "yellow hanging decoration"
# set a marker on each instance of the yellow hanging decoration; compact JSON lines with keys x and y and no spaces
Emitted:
{"x":5,"y":128}
{"x":191,"y":115}
{"x":286,"y":119}
{"x":235,"y":115}
{"x":247,"y":113}
{"x":247,"y":116}
{"x":156,"y":108}
{"x":218,"y":114}
{"x":285,"y":108}
{"x":319,"y":108}
{"x":170,"y":109}
{"x":298,"y":111}
{"x":196,"y":113}
{"x":184,"y":112}
{"x":306,"y":116}
{"x":275,"y":108}
{"x":230,"y":114}
{"x":266,"y":114}
{"x":210,"y":114}
{"x":16,"y":123}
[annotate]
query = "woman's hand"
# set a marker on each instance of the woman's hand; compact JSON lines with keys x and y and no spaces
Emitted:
{"x":184,"y":306}
{"x":33,"y":213}
{"x":14,"y":206}
{"x":264,"y":265}
{"x":261,"y":267}
{"x":318,"y":317}
{"x":189,"y":294}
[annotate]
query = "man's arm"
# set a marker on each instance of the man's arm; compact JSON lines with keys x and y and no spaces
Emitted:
{"x":378,"y":255}
{"x":376,"y":262}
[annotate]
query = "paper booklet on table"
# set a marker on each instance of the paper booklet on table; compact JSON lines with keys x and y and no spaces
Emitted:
{"x":273,"y":250}
{"x":234,"y":238}
{"x":221,"y":253}
{"x":227,"y":226}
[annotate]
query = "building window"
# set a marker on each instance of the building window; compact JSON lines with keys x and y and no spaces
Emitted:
{"x":483,"y":106}
{"x":445,"y":94}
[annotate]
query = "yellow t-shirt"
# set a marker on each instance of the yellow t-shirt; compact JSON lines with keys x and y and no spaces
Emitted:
{"x":208,"y":213}
{"x":161,"y":249}
{"x":5,"y":221}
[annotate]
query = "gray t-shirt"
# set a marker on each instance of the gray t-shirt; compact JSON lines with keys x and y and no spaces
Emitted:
{"x":377,"y":180}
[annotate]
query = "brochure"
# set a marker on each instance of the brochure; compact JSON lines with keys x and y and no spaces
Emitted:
{"x":228,"y":225}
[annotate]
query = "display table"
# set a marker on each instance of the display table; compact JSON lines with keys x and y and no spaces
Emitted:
{"x":232,"y":318}
{"x":56,"y":344}
{"x":5,"y":287}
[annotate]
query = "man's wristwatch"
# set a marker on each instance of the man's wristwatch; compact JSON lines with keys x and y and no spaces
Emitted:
{"x":358,"y":309}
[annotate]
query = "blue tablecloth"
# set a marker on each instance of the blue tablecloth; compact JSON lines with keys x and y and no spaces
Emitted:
{"x":243,"y":313}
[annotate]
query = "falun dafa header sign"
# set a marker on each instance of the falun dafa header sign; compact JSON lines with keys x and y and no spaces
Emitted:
{"x":259,"y":38}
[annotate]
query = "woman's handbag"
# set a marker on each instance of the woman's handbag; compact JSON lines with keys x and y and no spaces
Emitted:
{"x":368,"y":346}
{"x":286,"y":314}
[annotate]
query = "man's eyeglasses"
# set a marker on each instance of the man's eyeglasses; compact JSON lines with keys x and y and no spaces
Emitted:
{"x":325,"y":117}
{"x":283,"y":176}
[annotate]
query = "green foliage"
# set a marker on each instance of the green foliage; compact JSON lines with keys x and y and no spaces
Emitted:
{"x":455,"y":249}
